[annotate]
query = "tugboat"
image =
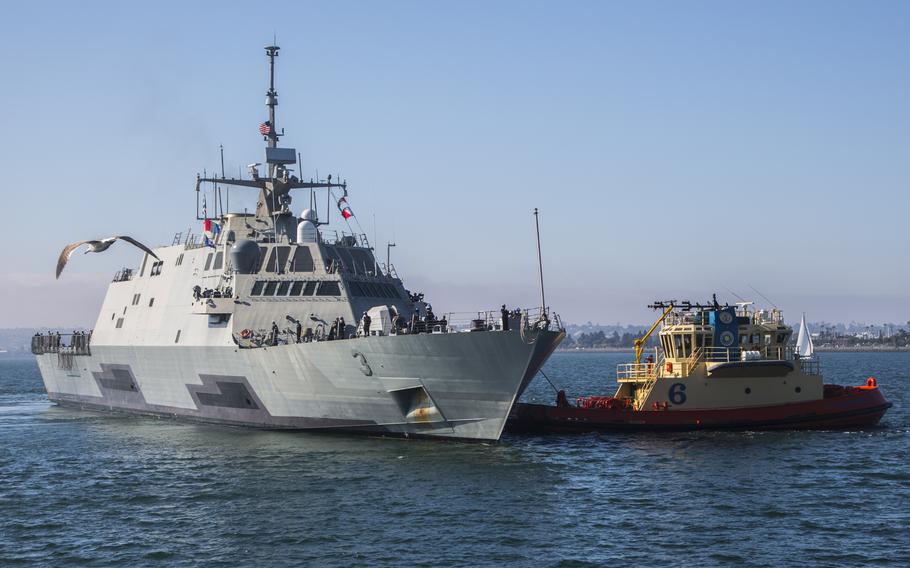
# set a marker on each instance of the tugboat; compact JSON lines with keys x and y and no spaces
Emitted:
{"x":717,"y":367}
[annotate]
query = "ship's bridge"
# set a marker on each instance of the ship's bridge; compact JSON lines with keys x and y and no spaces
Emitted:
{"x":724,"y":334}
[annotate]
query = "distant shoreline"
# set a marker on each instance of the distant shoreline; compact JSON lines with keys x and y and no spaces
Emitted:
{"x":819,"y":350}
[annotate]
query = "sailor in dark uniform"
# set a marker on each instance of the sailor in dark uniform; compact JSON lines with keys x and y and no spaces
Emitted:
{"x":367,"y":320}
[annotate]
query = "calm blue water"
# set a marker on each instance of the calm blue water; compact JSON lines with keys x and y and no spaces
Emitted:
{"x":82,"y":489}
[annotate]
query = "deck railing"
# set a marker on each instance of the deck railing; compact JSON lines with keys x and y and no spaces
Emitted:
{"x":643,"y":372}
{"x":452,"y":322}
{"x":69,"y":343}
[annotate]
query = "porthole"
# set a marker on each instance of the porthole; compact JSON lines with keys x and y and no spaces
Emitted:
{"x":748,"y":390}
{"x":799,"y":389}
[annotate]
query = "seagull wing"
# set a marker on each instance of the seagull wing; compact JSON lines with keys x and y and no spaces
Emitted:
{"x":134,"y":242}
{"x":65,"y":255}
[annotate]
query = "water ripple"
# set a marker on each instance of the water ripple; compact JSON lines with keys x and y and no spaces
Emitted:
{"x":84,"y":489}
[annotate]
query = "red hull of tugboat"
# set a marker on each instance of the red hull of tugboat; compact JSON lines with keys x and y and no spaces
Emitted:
{"x":842,"y":407}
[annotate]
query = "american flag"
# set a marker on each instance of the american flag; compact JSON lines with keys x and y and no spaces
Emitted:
{"x":265,"y":128}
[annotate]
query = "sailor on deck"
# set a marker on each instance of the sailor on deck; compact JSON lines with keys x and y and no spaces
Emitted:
{"x":366,"y":324}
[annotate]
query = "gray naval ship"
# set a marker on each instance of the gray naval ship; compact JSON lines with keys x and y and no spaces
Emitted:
{"x":259,"y":322}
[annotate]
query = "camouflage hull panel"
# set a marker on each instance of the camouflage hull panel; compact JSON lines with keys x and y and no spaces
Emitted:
{"x":455,"y":385}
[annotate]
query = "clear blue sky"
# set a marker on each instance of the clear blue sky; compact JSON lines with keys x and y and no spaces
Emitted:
{"x":674,"y":148}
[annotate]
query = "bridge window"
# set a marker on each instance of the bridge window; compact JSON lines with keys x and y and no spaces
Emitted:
{"x":208,"y":262}
{"x":257,"y":288}
{"x":329,"y":288}
{"x":687,"y":345}
{"x":283,"y":288}
{"x":297,"y":288}
{"x":303,"y":260}
{"x":310,"y":288}
{"x":219,"y":261}
{"x":263,"y":253}
{"x":278,"y":259}
{"x":270,"y":288}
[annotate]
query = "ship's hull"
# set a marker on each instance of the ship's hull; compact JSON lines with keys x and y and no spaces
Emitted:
{"x":849,"y":408}
{"x":454,"y":385}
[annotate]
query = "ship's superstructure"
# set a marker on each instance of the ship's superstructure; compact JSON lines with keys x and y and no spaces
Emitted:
{"x":277,"y":321}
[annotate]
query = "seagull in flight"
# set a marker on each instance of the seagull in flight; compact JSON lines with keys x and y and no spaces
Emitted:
{"x":96,"y":246}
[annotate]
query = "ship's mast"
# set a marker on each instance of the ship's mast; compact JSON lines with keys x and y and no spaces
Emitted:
{"x":271,"y":101}
{"x":277,"y":183}
{"x":271,"y":97}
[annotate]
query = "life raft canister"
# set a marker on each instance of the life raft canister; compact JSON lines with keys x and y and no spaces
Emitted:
{"x":870,"y":382}
{"x":245,"y":334}
{"x":669,"y":367}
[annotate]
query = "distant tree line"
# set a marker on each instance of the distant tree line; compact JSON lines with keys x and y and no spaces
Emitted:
{"x":601,"y":340}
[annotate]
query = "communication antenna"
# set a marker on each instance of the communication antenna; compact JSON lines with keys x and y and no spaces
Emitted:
{"x":543,"y":299}
{"x":388,"y":257}
{"x":741,"y":299}
{"x":773,"y":305}
{"x":300,"y":167}
{"x":227,"y":190}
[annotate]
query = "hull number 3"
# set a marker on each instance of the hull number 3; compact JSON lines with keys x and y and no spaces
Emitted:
{"x":677,"y":394}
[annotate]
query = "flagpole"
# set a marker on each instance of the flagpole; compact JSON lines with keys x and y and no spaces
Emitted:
{"x":227,"y":190}
{"x":543,"y":299}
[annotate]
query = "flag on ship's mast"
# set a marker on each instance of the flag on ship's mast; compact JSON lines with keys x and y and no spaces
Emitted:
{"x":210,"y":227}
{"x":345,"y":208}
